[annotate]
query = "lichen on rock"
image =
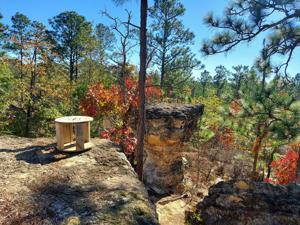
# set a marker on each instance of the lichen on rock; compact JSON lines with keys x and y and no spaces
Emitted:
{"x":42,"y":186}
{"x":251,"y":203}
{"x":168,"y":126}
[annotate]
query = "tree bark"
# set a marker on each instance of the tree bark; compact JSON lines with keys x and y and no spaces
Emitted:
{"x":270,"y":162}
{"x":31,"y":100}
{"x":76,"y":65}
{"x":71,"y":65}
{"x":298,"y":170}
{"x":142,"y":79}
{"x":21,"y":53}
{"x":162,"y":72}
{"x":257,"y":147}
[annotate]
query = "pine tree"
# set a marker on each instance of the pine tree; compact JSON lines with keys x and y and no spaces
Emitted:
{"x":220,"y":79}
{"x":238,"y":78}
{"x":106,"y":40}
{"x":3,"y":29}
{"x":268,"y":113}
{"x":171,"y":44}
{"x":244,"y":20}
{"x":71,"y":34}
{"x":205,"y":80}
{"x":18,"y":38}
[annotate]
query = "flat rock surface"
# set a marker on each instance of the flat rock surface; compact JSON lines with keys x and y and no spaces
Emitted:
{"x":171,"y":210}
{"x":251,"y":203}
{"x":42,"y":186}
{"x":180,"y":111}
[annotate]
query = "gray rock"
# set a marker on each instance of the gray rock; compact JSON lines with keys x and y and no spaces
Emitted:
{"x":42,"y":186}
{"x":251,"y":203}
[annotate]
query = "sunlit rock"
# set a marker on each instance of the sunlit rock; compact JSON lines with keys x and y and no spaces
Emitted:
{"x":168,"y":126}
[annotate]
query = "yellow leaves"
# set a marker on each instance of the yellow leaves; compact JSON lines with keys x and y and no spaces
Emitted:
{"x":212,"y":111}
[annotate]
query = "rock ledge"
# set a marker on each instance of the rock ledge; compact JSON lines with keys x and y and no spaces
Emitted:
{"x":255,"y":203}
{"x":42,"y":186}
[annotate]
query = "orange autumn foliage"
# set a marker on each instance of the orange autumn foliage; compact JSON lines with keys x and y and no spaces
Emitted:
{"x":118,"y":101}
{"x":285,"y":167}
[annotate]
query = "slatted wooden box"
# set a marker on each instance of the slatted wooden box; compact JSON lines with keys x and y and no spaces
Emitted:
{"x":73,"y":133}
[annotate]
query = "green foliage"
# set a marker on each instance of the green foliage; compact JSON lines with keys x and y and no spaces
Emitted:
{"x":170,"y":45}
{"x":194,"y":218}
{"x":212,"y":118}
{"x":49,"y":73}
{"x":238,"y":79}
{"x":71,"y":34}
{"x":106,"y":40}
{"x":19,"y":32}
{"x":244,"y":20}
{"x":6,"y":85}
{"x":3,"y":29}
{"x":220,"y":79}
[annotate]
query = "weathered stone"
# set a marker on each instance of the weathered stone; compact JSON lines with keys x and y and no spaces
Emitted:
{"x":42,"y":186}
{"x":251,"y":203}
{"x":171,"y":210}
{"x":168,"y":126}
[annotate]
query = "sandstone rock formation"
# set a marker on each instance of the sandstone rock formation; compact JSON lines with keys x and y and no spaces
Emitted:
{"x":255,"y":203}
{"x":168,"y":126}
{"x":42,"y":186}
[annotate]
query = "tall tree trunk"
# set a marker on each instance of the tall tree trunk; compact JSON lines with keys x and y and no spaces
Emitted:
{"x":162,"y":72}
{"x":123,"y":74}
{"x":203,"y":89}
{"x":71,"y":65}
{"x":270,"y":162}
{"x":298,"y":170}
{"x":142,"y":79}
{"x":257,"y":147}
{"x":31,"y":100}
{"x":76,"y":65}
{"x":21,"y":53}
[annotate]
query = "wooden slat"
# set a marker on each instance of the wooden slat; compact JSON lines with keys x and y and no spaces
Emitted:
{"x":67,"y":133}
{"x":86,"y":132}
{"x":79,"y":130}
{"x":59,"y":136}
{"x":72,"y":148}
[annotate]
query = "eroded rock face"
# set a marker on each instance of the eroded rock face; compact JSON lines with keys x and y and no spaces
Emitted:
{"x":251,"y":203}
{"x":168,"y":126}
{"x":42,"y":186}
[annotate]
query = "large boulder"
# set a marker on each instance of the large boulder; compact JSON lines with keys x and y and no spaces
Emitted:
{"x":42,"y":186}
{"x":168,"y":126}
{"x":251,"y":203}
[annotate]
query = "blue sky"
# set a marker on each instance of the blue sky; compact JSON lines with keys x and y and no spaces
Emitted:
{"x":42,"y":10}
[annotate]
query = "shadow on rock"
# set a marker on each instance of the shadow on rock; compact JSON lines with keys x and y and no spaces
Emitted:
{"x":41,"y":154}
{"x":60,"y":202}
